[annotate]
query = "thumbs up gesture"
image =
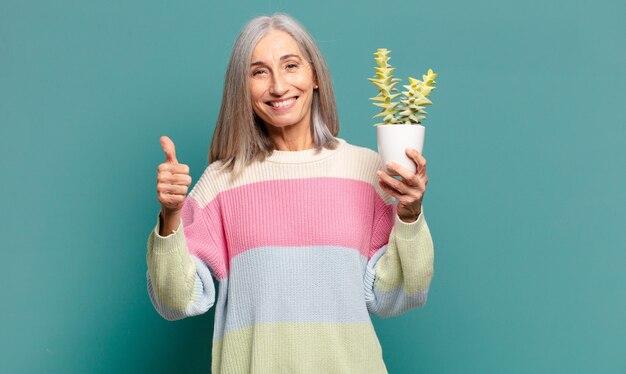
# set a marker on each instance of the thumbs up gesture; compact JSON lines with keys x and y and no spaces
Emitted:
{"x":173,"y":179}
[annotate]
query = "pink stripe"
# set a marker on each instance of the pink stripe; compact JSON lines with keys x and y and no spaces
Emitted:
{"x":299,"y":212}
{"x":288,"y":212}
{"x":204,"y":238}
{"x":386,"y":215}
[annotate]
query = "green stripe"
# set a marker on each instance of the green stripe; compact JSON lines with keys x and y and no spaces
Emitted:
{"x":299,"y":348}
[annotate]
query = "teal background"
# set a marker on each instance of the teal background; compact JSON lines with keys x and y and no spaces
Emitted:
{"x":526,"y":198}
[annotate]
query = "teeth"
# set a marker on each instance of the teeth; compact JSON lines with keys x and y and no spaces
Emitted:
{"x":284,"y":103}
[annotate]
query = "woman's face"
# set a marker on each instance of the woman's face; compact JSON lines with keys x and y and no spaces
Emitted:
{"x":281,"y":81}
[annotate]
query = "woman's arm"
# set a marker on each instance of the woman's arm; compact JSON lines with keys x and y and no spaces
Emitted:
{"x":399,"y":272}
{"x":180,"y":285}
{"x":400,"y":266}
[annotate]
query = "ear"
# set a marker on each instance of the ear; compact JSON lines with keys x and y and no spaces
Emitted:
{"x":315,"y":84}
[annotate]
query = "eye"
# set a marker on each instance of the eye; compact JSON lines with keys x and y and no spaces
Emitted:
{"x":292,"y":64}
{"x":258,"y":71}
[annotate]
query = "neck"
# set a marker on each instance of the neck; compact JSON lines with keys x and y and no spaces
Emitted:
{"x":293,"y":144}
{"x":292,"y":139}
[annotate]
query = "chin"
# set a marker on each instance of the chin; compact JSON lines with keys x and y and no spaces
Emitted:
{"x":281,"y":125}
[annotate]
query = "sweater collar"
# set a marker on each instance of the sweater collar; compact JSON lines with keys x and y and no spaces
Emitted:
{"x":303,"y":156}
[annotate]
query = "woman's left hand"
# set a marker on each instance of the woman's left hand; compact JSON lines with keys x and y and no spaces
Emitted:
{"x":410,"y":191}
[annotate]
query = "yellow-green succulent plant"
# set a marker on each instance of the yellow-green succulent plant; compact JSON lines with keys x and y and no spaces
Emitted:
{"x":408,"y":110}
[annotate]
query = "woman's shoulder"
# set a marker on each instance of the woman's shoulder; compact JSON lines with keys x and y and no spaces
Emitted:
{"x":210,"y":182}
{"x":365,"y":162}
{"x":365,"y":156}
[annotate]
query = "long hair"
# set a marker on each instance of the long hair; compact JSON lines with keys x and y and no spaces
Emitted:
{"x":240,"y":136}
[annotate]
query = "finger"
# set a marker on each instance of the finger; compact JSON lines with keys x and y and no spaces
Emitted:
{"x":171,"y":189}
{"x":393,"y":182}
{"x":170,"y":151}
{"x":181,"y":179}
{"x":179,"y":169}
{"x":178,"y":179}
{"x":419,"y":160}
{"x":403,"y":172}
{"x":171,"y":199}
{"x":174,"y":168}
{"x":389,"y":190}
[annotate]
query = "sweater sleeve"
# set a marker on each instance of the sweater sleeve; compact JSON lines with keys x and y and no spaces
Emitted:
{"x":400,"y":268}
{"x":180,"y":284}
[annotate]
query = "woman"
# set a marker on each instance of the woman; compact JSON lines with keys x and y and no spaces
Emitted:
{"x":302,"y":237}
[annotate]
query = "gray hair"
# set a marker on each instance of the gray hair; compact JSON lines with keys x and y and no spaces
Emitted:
{"x":240,"y":136}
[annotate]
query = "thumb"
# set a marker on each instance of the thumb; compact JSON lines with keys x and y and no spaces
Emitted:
{"x":170,"y":151}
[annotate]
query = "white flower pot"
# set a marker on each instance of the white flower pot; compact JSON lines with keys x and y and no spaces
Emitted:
{"x":393,"y":141}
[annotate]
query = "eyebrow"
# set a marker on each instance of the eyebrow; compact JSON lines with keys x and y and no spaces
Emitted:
{"x":282,"y":58}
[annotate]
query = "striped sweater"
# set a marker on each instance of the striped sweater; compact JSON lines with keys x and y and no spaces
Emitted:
{"x":301,"y":248}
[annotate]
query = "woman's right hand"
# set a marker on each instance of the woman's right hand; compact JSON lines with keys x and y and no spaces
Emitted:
{"x":173,"y":180}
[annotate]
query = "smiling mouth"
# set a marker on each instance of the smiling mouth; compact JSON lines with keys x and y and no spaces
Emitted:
{"x":282,"y":103}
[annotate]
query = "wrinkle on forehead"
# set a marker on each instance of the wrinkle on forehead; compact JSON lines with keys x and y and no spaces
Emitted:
{"x":274,"y":45}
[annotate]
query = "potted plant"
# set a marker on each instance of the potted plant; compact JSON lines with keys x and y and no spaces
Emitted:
{"x":401,"y":127}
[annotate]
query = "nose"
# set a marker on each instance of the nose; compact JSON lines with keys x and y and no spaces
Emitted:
{"x":278,"y":86}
